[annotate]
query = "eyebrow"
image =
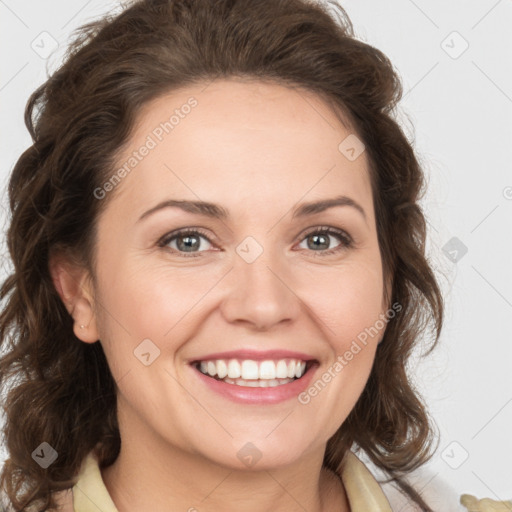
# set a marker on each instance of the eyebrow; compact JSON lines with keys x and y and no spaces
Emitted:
{"x":215,"y":211}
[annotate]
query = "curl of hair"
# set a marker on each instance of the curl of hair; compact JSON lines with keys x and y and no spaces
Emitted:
{"x":61,"y":389}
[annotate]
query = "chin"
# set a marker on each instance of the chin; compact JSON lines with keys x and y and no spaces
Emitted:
{"x":255,"y":453}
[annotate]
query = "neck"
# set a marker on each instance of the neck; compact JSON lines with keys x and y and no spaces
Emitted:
{"x":162,"y":477}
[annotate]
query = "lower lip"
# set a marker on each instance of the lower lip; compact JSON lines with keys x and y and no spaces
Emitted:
{"x":248,"y":395}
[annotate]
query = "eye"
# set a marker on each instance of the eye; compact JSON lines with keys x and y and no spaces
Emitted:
{"x":186,"y":242}
{"x":319,"y":240}
{"x":191,"y":242}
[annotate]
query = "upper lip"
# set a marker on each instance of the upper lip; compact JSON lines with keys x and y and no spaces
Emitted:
{"x":255,"y":355}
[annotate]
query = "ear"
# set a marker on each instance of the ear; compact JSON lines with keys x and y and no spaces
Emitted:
{"x":73,"y":284}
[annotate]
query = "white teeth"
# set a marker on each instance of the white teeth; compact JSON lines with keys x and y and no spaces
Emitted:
{"x":291,"y":369}
{"x":249,"y":369}
{"x":271,"y":372}
{"x":258,"y":383}
{"x":281,"y":370}
{"x":222,"y":368}
{"x":267,"y":370}
{"x":299,"y":369}
{"x":234,"y":371}
{"x":212,"y":368}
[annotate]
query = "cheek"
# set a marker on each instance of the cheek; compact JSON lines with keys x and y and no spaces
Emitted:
{"x":150,"y":302}
{"x":346,"y":300}
{"x":347,"y":306}
{"x":169,"y":297}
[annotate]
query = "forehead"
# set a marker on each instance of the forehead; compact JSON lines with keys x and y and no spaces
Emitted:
{"x":258,"y":142}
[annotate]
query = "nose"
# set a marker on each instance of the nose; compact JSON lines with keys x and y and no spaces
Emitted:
{"x":260,"y":296}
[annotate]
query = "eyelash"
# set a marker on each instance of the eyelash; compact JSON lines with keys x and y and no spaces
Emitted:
{"x":345,"y":239}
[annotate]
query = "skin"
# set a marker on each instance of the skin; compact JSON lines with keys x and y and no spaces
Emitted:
{"x":259,"y":149}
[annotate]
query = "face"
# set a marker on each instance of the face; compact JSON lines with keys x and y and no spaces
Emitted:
{"x":257,"y":272}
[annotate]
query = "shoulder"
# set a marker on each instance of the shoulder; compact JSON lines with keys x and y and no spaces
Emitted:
{"x":435,"y":491}
{"x":440,"y":496}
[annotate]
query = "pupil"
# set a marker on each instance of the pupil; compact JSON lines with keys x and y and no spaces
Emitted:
{"x":189,"y":243}
{"x":319,"y":238}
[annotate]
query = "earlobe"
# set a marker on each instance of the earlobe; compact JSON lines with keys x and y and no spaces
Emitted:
{"x":84,"y":325}
{"x":70,"y":282}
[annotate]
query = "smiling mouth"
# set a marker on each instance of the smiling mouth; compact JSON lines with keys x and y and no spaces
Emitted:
{"x":257,"y":374}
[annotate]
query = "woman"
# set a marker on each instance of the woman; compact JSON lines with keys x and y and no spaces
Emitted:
{"x":219,"y":269}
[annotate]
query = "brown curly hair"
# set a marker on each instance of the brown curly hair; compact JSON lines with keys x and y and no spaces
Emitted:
{"x":61,"y":391}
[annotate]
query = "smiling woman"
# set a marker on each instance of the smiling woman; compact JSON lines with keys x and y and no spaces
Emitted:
{"x":220,"y":269}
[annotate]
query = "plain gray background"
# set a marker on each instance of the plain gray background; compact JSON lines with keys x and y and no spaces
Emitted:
{"x":455,"y":62}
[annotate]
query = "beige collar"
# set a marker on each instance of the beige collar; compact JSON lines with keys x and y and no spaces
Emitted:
{"x":363,"y":491}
